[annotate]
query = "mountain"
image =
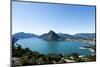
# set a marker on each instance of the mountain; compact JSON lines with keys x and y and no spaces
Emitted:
{"x":21,"y":35}
{"x":64,"y":36}
{"x":50,"y":36}
{"x":85,"y":35}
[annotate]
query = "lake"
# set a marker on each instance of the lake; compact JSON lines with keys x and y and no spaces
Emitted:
{"x":54,"y":47}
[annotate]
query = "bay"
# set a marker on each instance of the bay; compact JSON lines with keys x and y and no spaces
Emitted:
{"x":54,"y":47}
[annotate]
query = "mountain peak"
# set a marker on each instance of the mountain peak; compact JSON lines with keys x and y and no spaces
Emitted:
{"x":51,"y":32}
{"x":51,"y":36}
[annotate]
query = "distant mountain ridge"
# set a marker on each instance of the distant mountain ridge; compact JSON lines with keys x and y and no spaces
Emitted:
{"x":21,"y":35}
{"x":86,"y":35}
{"x":24,"y":35}
{"x":62,"y":35}
{"x":52,"y":36}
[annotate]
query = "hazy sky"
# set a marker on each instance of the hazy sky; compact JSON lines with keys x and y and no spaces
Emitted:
{"x":39,"y":18}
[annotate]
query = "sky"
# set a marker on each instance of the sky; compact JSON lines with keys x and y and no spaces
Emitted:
{"x":39,"y":18}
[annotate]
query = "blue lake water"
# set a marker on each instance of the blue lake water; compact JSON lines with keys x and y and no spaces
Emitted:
{"x":55,"y":47}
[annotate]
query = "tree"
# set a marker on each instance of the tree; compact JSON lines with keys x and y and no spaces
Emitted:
{"x":40,"y":60}
{"x":27,"y":49}
{"x":24,"y":60}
